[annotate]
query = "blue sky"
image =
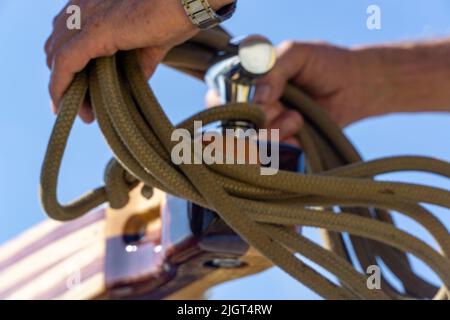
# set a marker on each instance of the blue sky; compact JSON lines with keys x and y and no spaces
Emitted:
{"x":26,"y":120}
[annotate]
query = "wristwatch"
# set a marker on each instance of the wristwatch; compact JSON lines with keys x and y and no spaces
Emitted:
{"x":203,"y":16}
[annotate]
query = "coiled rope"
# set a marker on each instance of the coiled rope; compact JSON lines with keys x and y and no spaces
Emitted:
{"x":261,"y":209}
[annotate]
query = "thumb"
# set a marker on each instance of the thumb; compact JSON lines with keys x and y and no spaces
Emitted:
{"x":212,"y":99}
{"x":292,"y":58}
{"x":269,"y":89}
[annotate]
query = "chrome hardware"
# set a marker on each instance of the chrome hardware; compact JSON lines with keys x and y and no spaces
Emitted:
{"x":234,"y":76}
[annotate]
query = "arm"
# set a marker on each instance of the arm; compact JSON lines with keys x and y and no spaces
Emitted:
{"x":408,"y":77}
{"x":354,"y":84}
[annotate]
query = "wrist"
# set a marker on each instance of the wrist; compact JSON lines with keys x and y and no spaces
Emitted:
{"x":405,"y":78}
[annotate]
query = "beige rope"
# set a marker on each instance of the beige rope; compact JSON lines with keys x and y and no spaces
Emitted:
{"x":261,"y":209}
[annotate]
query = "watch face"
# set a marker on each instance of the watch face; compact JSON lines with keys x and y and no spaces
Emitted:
{"x":201,"y":14}
{"x":257,"y":55}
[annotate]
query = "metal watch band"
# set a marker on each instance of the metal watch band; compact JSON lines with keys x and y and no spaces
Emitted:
{"x":203,"y":16}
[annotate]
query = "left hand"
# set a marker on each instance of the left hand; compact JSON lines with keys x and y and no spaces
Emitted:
{"x":153,"y":26}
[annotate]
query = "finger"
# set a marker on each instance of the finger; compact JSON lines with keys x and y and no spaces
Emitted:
{"x":292,"y":141}
{"x":86,"y":113}
{"x":53,"y":107}
{"x":74,"y":56}
{"x":49,"y":43}
{"x":150,"y":58}
{"x":61,"y":12}
{"x":291,"y":60}
{"x":212,"y":99}
{"x":61,"y":34}
{"x":269,"y":89}
{"x":58,"y":39}
{"x":289,"y":123}
{"x":272,"y":111}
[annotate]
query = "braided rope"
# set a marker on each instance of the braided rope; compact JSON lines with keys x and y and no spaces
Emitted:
{"x":261,"y":209}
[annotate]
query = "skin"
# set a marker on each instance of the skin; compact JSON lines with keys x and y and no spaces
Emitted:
{"x":354,"y":84}
{"x":350,"y":83}
{"x":153,"y":26}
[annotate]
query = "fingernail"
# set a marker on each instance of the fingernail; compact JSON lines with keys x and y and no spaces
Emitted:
{"x":262,"y":93}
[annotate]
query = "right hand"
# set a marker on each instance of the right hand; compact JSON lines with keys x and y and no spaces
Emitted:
{"x":328,"y":74}
{"x":332,"y":76}
{"x":338,"y":79}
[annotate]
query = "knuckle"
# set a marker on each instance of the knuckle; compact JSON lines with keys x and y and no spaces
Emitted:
{"x":55,"y":21}
{"x":293,"y":47}
{"x":47,"y":45}
{"x":76,"y":2}
{"x":96,"y":50}
{"x":49,"y":62}
{"x":100,"y":41}
{"x":109,"y":48}
{"x":60,"y":57}
{"x":287,"y":45}
{"x":89,"y":24}
{"x":322,"y":43}
{"x":95,"y":21}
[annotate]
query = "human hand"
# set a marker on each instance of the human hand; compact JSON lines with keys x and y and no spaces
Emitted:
{"x":332,"y":76}
{"x":336,"y":78}
{"x":153,"y":26}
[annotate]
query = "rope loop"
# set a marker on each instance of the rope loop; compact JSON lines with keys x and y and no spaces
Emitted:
{"x":338,"y":195}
